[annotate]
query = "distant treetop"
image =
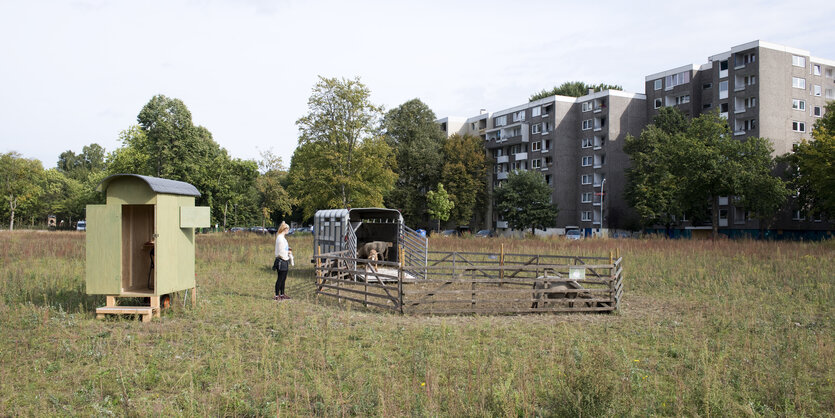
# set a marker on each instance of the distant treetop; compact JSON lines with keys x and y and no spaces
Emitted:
{"x":573,"y":89}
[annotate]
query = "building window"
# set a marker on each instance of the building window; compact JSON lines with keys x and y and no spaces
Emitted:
{"x":830,"y":94}
{"x":797,"y":215}
{"x":657,"y":84}
{"x":751,"y":102}
{"x":798,"y":104}
{"x":816,"y":111}
{"x":749,"y":58}
{"x":519,"y":116}
{"x":536,"y":163}
{"x":723,"y":108}
{"x":536,"y":111}
{"x":587,"y":124}
{"x":658,"y":103}
{"x":585,"y":179}
{"x":536,"y":128}
{"x":586,"y":143}
{"x":546,"y":127}
{"x":723,"y":68}
{"x":587,"y":161}
{"x":536,"y":145}
{"x":829,"y":73}
{"x":586,"y":216}
{"x":798,"y":83}
{"x":723,"y":89}
{"x":798,"y":61}
{"x":547,"y":145}
{"x":707,"y":105}
{"x":816,"y":90}
{"x":739,"y":215}
{"x":750,"y":124}
{"x":707,"y":86}
{"x":816,"y":69}
{"x":798,"y":126}
{"x":500,"y":121}
{"x":751,"y":80}
{"x":677,"y":79}
{"x":683,"y":99}
{"x":586,"y":106}
{"x":586,"y":197}
{"x":549,"y":160}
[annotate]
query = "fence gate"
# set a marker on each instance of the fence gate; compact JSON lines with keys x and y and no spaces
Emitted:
{"x":415,"y":251}
{"x":378,"y":285}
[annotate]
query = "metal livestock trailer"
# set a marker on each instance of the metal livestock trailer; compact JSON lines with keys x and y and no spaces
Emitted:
{"x":337,"y":230}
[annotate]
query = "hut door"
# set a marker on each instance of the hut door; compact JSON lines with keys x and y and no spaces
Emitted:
{"x":138,"y":248}
{"x":104,"y":250}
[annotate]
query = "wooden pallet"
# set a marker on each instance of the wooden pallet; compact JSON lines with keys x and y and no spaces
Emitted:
{"x":145,"y":311}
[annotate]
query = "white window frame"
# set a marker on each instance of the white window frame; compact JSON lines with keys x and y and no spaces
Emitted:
{"x":536,"y":163}
{"x":658,"y":103}
{"x":587,"y":106}
{"x":585,"y":216}
{"x":797,"y":215}
{"x":585,"y":179}
{"x":751,"y":102}
{"x":536,"y":128}
{"x":586,"y":143}
{"x":798,"y":126}
{"x":799,"y":83}
{"x":817,"y":91}
{"x":798,"y":104}
{"x":723,"y":89}
{"x":683,"y":99}
{"x":536,"y":146}
{"x":817,"y":111}
{"x":587,"y":161}
{"x":586,"y":197}
{"x":536,"y":111}
{"x":588,"y":124}
{"x":657,"y":84}
{"x":500,"y":121}
{"x":798,"y":61}
{"x":816,"y":69}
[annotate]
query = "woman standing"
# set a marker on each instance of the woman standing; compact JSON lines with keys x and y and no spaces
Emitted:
{"x":283,"y":255}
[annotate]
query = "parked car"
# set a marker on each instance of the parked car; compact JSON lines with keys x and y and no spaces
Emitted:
{"x":81,"y":226}
{"x":485,"y":233}
{"x":260,"y":230}
{"x":237,"y":229}
{"x":272,"y":230}
{"x":573,"y":234}
{"x":450,"y":233}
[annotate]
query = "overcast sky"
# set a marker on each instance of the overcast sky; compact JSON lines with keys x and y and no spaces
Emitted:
{"x":77,"y":72}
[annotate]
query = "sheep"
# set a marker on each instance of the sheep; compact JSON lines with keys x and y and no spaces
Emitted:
{"x":557,"y":288}
{"x":381,"y":248}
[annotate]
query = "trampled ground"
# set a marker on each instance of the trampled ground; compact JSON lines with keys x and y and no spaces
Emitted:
{"x":726,"y":328}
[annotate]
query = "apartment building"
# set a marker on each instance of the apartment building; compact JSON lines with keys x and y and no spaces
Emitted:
{"x":762,"y":89}
{"x":577,"y":144}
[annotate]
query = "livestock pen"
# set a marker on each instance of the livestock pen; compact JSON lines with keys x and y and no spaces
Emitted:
{"x":472,"y":282}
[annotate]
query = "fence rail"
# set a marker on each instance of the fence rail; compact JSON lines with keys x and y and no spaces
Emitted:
{"x":466,"y":283}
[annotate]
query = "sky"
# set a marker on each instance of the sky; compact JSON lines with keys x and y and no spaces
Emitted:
{"x":74,"y":73}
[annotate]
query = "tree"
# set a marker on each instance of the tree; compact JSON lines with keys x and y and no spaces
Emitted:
{"x":270,"y":184}
{"x":410,"y":130}
{"x":464,"y":173}
{"x":20,"y":180}
{"x":812,"y":167}
{"x":439,"y":205}
{"x":573,"y":89}
{"x":341,"y":161}
{"x":678,"y":167}
{"x":524,"y":201}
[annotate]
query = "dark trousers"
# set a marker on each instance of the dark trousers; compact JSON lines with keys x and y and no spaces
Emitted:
{"x":279,"y":282}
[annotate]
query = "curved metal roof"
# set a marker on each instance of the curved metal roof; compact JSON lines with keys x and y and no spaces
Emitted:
{"x":156,"y":184}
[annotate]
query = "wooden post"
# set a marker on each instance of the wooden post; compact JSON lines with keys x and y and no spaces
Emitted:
{"x":155,"y":305}
{"x":194,"y":296}
{"x":501,"y":263}
{"x":318,"y":270}
{"x":611,"y":258}
{"x":111,"y":300}
{"x":617,"y":253}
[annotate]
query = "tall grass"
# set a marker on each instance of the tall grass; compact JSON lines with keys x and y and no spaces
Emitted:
{"x":724,"y":328}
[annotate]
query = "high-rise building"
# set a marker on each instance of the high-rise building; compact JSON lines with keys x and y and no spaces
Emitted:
{"x":762,"y":89}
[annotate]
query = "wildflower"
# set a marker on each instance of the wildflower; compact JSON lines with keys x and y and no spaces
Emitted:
{"x":636,"y":360}
{"x":422,"y":384}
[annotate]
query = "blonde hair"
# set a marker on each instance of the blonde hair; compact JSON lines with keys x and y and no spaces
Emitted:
{"x":283,"y":228}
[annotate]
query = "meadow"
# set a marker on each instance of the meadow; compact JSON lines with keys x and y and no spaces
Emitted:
{"x":727,"y":328}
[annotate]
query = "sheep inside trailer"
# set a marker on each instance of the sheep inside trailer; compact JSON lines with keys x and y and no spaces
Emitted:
{"x":356,"y":231}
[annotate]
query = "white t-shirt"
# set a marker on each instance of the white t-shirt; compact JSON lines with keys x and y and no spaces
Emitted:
{"x":282,"y":247}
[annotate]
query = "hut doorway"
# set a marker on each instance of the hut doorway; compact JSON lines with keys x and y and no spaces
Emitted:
{"x":138,"y":273}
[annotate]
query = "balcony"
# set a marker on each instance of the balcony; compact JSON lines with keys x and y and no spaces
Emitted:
{"x":723,"y":115}
{"x":502,"y":159}
{"x":738,"y":133}
{"x":501,"y":224}
{"x":739,"y":110}
{"x":501,"y":176}
{"x":521,"y":156}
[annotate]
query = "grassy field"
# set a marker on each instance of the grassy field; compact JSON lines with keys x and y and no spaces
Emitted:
{"x":725,"y":328}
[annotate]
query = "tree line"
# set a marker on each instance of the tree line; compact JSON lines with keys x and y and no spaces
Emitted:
{"x":350,"y":153}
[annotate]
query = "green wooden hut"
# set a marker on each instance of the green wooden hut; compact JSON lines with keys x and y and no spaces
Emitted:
{"x":141,"y":242}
